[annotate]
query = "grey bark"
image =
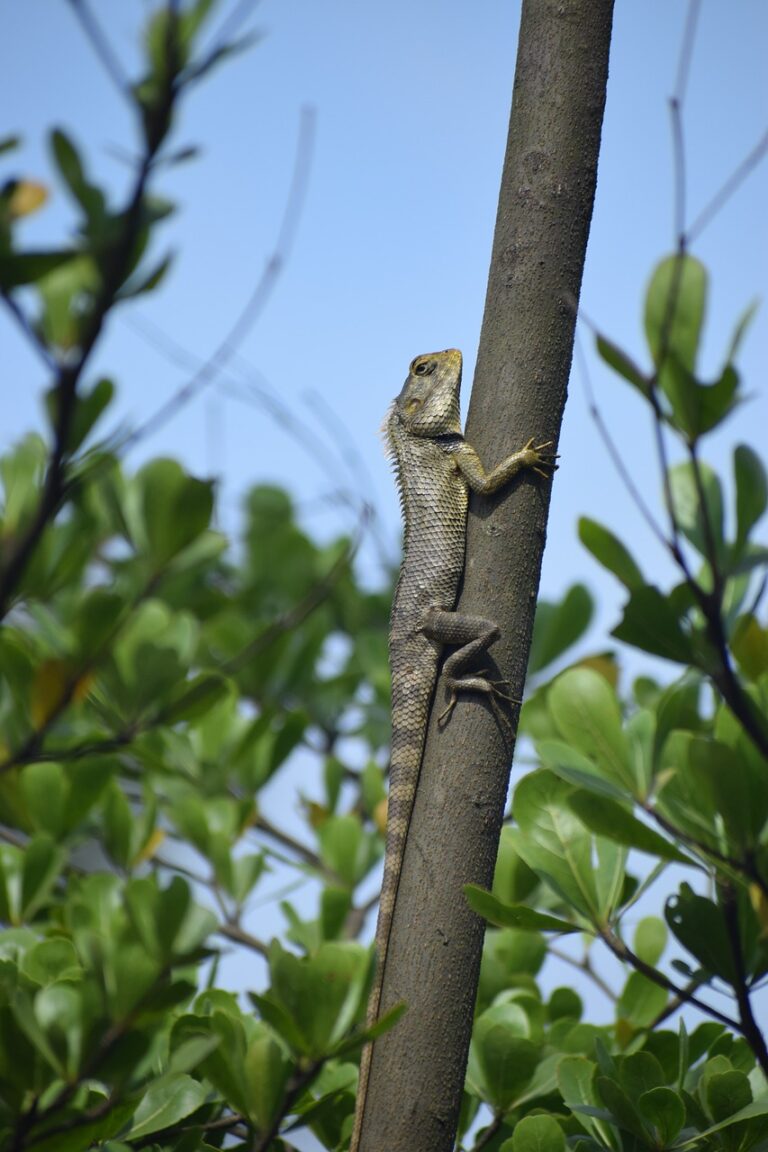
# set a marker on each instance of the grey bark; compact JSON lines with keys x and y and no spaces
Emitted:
{"x":545,"y":208}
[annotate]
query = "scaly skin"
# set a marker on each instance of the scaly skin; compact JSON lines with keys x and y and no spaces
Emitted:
{"x":435,"y":468}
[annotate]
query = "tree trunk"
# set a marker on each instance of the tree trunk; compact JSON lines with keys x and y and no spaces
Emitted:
{"x":545,"y":208}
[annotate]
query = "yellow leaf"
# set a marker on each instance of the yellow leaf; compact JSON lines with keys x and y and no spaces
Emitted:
{"x":750,"y":646}
{"x":50,"y":688}
{"x":604,"y":664}
{"x":27,"y":196}
{"x":760,"y":907}
{"x":149,"y":849}
{"x":56,"y":683}
{"x":380,"y":816}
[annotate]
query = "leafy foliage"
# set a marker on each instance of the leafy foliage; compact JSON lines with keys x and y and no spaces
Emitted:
{"x":157,"y":679}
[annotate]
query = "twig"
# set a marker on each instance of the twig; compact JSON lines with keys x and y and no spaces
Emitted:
{"x":102,"y":48}
{"x":214,"y":365}
{"x":723,"y":195}
{"x":747,"y":1024}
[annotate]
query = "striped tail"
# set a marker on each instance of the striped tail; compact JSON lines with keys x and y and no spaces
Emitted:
{"x":407,"y":746}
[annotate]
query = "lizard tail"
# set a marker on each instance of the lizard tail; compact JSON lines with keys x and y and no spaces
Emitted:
{"x":404,"y":776}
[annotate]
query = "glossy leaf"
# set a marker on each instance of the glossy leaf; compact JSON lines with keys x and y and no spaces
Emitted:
{"x":537,"y":1134}
{"x":614,"y":821}
{"x":586,"y":713}
{"x":515,"y":915}
{"x":170,"y":1099}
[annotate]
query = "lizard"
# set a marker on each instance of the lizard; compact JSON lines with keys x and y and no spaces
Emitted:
{"x":435,"y":469}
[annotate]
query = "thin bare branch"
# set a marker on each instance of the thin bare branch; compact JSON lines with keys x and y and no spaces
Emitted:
{"x":214,"y":365}
{"x":102,"y":48}
{"x":729,"y":188}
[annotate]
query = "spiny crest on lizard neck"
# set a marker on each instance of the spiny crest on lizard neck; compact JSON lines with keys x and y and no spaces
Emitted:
{"x":428,"y":404}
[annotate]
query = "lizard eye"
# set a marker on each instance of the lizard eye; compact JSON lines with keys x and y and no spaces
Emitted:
{"x":425,"y":368}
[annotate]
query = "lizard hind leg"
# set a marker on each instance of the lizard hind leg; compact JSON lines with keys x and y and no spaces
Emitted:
{"x":472,"y":636}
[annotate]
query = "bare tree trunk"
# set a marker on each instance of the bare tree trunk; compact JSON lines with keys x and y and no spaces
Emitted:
{"x":545,"y":208}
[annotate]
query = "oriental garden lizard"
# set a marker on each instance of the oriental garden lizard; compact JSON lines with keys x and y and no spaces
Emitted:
{"x":435,"y":468}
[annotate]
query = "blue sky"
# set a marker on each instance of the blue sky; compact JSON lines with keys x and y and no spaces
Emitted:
{"x":390,"y":259}
{"x":391,"y":254}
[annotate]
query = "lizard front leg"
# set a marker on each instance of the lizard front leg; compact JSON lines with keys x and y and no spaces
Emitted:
{"x":536,"y":457}
{"x":473,"y":636}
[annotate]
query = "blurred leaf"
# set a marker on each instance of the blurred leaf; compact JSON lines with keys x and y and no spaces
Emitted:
{"x":609,"y":551}
{"x":615,"y":358}
{"x":641,"y":1001}
{"x":69,"y":164}
{"x":24,"y":197}
{"x":674,"y":310}
{"x":176,"y":508}
{"x":558,"y":626}
{"x":751,"y":490}
{"x":650,"y":940}
{"x":88,"y":407}
{"x":146,"y":281}
{"x":651,"y":624}
{"x":698,"y":510}
{"x":42,"y":862}
{"x":750,"y":646}
{"x":20,"y":268}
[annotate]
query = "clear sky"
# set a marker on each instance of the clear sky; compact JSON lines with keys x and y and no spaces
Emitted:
{"x":390,"y":259}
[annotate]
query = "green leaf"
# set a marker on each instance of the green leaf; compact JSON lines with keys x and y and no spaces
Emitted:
{"x":502,"y":1061}
{"x":538,"y":1134}
{"x":345,"y":848}
{"x":553,"y":842}
{"x":650,"y":940}
{"x":267,"y":1072}
{"x":514,"y":915}
{"x":168,"y":1100}
{"x":663,"y":1108}
{"x":19,"y":268}
{"x":319,"y":994}
{"x":615,"y":358}
{"x":89,"y":406}
{"x":65,"y":155}
{"x":609,"y":551}
{"x":586,"y":713}
{"x":674,"y":310}
{"x":727,"y":1093}
{"x":751,"y":490}
{"x":576,"y":768}
{"x":651,"y":624}
{"x":176,"y":508}
{"x":698,"y":507}
{"x":43,"y":861}
{"x":641,"y":1001}
{"x":615,"y":822}
{"x":558,"y":626}
{"x":142,"y":282}
{"x":699,"y":926}
{"x":622,"y":1109}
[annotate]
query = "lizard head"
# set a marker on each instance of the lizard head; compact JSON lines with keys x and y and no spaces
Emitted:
{"x":429,"y":402}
